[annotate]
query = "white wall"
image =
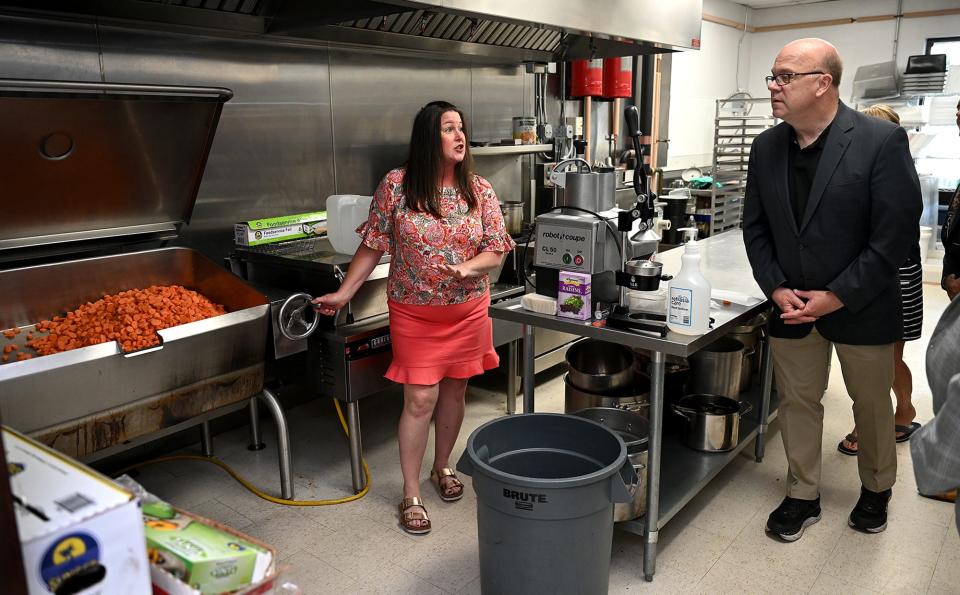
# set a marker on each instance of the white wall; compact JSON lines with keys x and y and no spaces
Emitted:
{"x":858,"y":43}
{"x":698,"y":79}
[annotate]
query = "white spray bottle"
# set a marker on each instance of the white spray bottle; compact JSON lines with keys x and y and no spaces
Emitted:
{"x":688,"y":310}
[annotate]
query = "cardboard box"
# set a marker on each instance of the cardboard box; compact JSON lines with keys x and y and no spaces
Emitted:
{"x":204,"y":556}
{"x":573,"y":296}
{"x":80,"y":532}
{"x":279,"y":229}
{"x":165,"y":583}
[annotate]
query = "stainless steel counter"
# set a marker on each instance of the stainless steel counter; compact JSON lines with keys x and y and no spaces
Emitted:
{"x":723,"y":261}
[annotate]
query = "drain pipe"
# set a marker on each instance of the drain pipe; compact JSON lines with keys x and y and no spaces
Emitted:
{"x":896,"y":33}
{"x":643,"y":99}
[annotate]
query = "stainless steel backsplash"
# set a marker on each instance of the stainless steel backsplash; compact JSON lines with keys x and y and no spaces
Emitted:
{"x":307,"y":119}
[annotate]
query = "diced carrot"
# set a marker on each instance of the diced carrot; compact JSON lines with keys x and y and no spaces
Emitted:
{"x":130,"y":317}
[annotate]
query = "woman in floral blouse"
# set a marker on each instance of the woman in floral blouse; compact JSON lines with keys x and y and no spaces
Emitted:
{"x":442,"y":225}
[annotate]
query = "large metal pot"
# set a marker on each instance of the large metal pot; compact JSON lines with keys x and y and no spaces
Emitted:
{"x":749,"y":333}
{"x":633,"y":398}
{"x":676,"y":377}
{"x":600,"y":366}
{"x":635,"y":431}
{"x":715,"y":369}
{"x":713,"y":421}
{"x":512,"y":217}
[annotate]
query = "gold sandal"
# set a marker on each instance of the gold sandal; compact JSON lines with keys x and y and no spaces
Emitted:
{"x":454,"y":489}
{"x":415,"y":522}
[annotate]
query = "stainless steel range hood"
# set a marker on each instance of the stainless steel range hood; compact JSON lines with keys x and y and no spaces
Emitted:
{"x":533,"y":30}
{"x":499,"y":30}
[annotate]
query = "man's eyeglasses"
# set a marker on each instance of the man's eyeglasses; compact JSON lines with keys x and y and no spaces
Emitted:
{"x":785,"y":78}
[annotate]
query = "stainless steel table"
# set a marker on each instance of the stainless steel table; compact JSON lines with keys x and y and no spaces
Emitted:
{"x":723,"y":261}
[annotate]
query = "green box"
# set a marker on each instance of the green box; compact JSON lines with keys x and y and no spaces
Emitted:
{"x":280,"y":229}
{"x":202,"y":556}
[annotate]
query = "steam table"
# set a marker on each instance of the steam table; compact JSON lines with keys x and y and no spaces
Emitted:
{"x":723,"y":261}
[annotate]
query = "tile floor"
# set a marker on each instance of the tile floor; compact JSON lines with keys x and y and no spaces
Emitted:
{"x":715,"y":545}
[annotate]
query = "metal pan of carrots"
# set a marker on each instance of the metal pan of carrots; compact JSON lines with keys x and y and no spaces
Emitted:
{"x":131,"y":318}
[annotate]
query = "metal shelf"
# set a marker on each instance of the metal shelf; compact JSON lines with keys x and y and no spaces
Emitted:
{"x":730,"y":163}
{"x":684,"y":472}
{"x":760,"y":127}
{"x":727,"y":267}
{"x":739,"y":118}
{"x":510,"y":150}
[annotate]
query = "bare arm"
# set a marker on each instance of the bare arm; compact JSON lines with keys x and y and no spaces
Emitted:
{"x":364,"y":261}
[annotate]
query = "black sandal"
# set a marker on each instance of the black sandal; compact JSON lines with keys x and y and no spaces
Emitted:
{"x":852,"y":439}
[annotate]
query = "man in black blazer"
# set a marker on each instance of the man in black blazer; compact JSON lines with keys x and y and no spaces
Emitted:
{"x":832,"y":208}
{"x":950,"y":237}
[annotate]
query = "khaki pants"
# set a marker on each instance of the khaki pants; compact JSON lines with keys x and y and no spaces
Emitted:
{"x":801,"y":367}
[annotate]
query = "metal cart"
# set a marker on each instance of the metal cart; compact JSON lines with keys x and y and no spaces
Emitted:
{"x":736,"y":124}
{"x":724,"y":263}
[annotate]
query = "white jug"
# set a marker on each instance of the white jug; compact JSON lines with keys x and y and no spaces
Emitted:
{"x":345,"y":212}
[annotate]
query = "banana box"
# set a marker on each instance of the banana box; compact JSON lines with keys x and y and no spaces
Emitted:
{"x":205,"y":557}
{"x":80,"y":532}
{"x":280,"y":229}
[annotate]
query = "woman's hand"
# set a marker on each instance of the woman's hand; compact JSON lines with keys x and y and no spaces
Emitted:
{"x":329,"y":304}
{"x":481,"y":264}
{"x":460,"y":271}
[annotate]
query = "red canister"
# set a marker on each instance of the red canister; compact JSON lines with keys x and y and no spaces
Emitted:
{"x":618,"y":77}
{"x":586,"y":78}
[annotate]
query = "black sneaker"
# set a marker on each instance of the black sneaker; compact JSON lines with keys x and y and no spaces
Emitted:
{"x":870,"y":513}
{"x":793,"y":516}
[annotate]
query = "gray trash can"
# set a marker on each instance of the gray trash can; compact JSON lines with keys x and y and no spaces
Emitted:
{"x":546,"y":485}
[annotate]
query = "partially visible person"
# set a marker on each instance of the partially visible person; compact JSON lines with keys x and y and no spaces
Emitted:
{"x":442,"y":225}
{"x":831,"y":210}
{"x":950,"y":237}
{"x":911,"y":293}
{"x":936,"y":446}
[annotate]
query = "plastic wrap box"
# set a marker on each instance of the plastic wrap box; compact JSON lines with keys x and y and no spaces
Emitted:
{"x":164,"y":583}
{"x":280,"y":229}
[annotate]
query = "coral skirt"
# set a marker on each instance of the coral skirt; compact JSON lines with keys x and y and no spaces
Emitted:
{"x":431,"y":343}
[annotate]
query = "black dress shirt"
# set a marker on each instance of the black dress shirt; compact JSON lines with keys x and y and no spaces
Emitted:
{"x":803,"y":167}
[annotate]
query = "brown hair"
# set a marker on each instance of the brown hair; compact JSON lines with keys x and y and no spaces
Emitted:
{"x":882,"y":111}
{"x":421,"y":184}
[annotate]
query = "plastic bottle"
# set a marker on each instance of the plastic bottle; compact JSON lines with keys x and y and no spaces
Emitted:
{"x":688,"y":309}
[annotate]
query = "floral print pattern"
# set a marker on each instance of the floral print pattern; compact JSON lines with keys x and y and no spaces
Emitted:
{"x":419,"y":241}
